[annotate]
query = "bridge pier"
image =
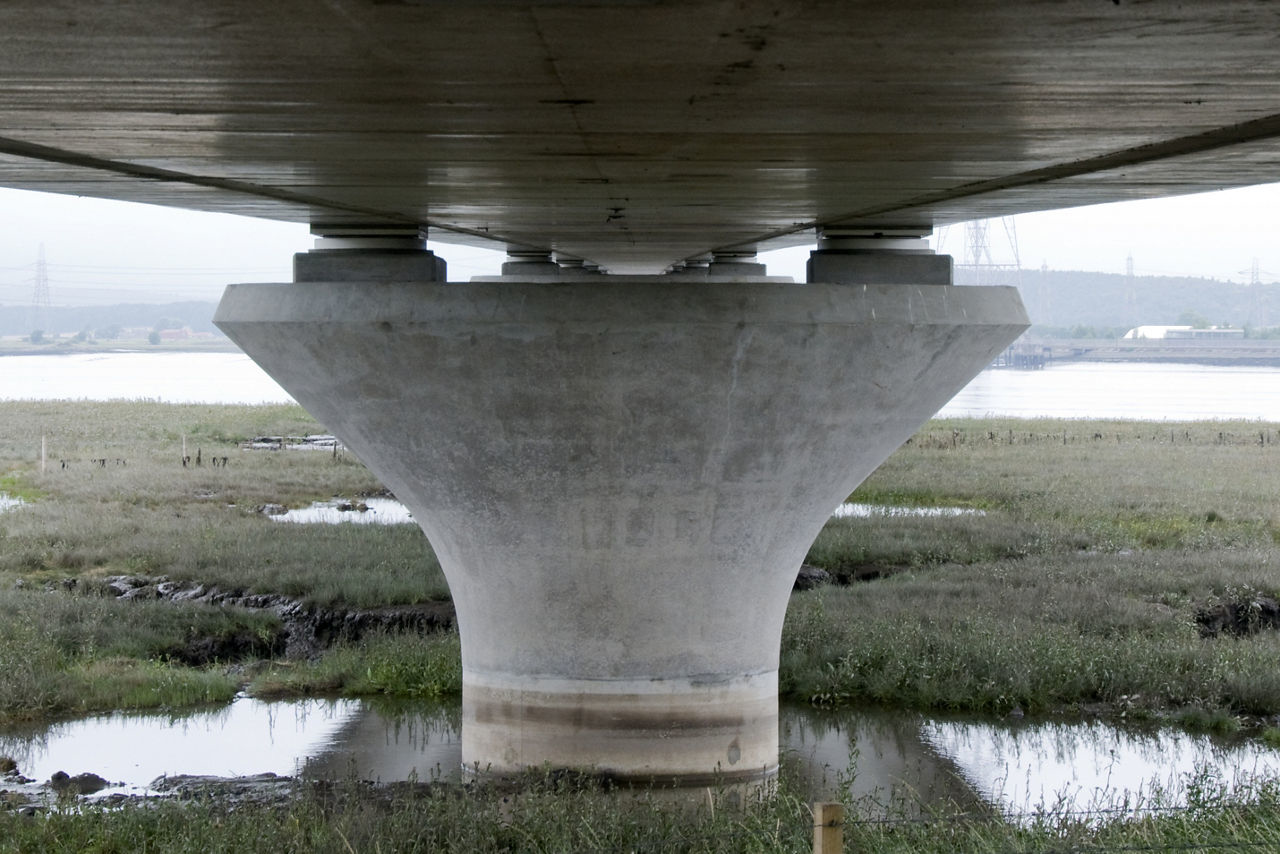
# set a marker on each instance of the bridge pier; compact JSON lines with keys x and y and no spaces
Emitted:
{"x":620,"y":475}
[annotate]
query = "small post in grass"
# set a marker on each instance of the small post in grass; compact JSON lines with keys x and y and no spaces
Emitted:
{"x":828,"y":828}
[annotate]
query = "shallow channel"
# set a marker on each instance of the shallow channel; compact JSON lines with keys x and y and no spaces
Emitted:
{"x":882,"y":757}
{"x":388,"y":511}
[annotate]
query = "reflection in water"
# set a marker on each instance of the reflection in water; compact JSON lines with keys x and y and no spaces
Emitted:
{"x":6,"y":501}
{"x":246,"y":737}
{"x":892,"y":763}
{"x":878,"y":756}
{"x":1086,"y":766}
{"x":388,"y":511}
{"x":393,"y":741}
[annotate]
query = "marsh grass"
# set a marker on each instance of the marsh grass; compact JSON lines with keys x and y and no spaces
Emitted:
{"x":62,"y":654}
{"x":396,"y":665}
{"x":1077,"y":588}
{"x":560,"y":814}
{"x":151,"y":515}
{"x":1092,"y":632}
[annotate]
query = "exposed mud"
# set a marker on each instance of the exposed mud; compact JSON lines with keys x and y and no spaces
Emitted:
{"x":307,"y":629}
{"x":810,"y":576}
{"x":29,"y":797}
{"x":1239,"y":617}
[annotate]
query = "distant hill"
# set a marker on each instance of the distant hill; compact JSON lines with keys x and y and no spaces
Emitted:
{"x":98,"y":318}
{"x":1104,"y":301}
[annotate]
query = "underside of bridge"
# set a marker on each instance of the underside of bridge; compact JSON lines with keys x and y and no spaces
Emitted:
{"x":622,"y":447}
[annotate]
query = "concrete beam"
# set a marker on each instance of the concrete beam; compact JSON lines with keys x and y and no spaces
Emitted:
{"x":620,"y":478}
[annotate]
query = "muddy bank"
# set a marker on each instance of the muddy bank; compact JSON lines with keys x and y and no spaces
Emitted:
{"x":1239,"y":617}
{"x":306,"y":629}
{"x":62,"y":791}
{"x":28,"y":797}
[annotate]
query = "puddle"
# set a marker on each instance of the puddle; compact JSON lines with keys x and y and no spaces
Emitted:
{"x":879,"y":756}
{"x":7,"y":502}
{"x":1093,"y":766}
{"x":1015,"y":767}
{"x":864,"y":511}
{"x":324,"y":738}
{"x":293,"y":443}
{"x":376,"y":511}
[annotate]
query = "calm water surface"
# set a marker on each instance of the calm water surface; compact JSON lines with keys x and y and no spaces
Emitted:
{"x":167,"y":377}
{"x":1013,"y":766}
{"x":1140,"y":391}
{"x":1078,"y":390}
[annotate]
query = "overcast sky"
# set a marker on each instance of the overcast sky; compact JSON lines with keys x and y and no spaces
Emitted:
{"x":98,"y":251}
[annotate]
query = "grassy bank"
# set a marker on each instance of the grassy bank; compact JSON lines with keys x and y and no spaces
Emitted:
{"x":1077,"y":586}
{"x":557,"y":816}
{"x":64,"y":654}
{"x":144,"y":512}
{"x":396,"y":665}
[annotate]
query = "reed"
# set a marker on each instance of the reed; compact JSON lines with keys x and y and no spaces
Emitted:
{"x":1077,"y":587}
{"x":65,"y":654}
{"x":387,"y":664}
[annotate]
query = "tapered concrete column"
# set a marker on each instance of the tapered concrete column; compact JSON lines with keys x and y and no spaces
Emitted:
{"x":620,"y":477}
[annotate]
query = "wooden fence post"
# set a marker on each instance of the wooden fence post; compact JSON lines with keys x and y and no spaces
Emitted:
{"x":828,"y":828}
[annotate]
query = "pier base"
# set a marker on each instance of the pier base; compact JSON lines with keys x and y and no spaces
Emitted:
{"x":620,"y":477}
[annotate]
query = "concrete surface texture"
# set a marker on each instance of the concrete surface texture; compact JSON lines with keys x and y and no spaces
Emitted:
{"x":638,"y":134}
{"x":621,"y":478}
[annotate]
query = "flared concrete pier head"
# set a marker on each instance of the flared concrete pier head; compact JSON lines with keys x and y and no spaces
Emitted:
{"x":621,"y":476}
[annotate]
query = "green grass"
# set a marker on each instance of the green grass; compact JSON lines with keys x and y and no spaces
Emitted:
{"x":394,"y":665}
{"x":153,"y":516}
{"x":558,"y":814}
{"x":1093,"y":632}
{"x":62,"y":654}
{"x":1076,"y":588}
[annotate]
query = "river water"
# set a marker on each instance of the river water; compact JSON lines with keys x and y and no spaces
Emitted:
{"x":139,"y":375}
{"x":1131,"y":390}
{"x":1074,"y":390}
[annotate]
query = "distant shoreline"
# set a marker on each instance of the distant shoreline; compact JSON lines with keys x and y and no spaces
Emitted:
{"x":74,"y":348}
{"x":1243,"y":352}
